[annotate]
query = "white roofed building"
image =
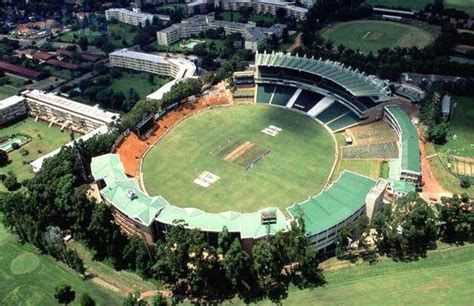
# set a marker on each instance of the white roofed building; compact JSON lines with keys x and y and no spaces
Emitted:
{"x":135,"y":17}
{"x":12,"y":108}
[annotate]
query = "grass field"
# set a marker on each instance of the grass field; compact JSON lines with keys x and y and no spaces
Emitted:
{"x":464,"y":5}
{"x":28,"y":278}
{"x":11,"y":89}
{"x":51,"y":139}
{"x":461,"y":126}
{"x":116,"y":33}
{"x":373,"y":35}
{"x":445,"y":277}
{"x":299,"y":163}
{"x":447,"y":180}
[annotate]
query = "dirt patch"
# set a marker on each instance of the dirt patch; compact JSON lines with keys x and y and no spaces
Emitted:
{"x":132,"y":148}
{"x":239,"y":151}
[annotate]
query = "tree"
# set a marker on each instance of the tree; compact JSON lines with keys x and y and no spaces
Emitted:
{"x":86,"y":300}
{"x":3,"y":158}
{"x":151,"y":78}
{"x":64,"y":294}
{"x":236,"y":264}
{"x":133,"y":299}
{"x":465,"y":182}
{"x":83,"y":43}
{"x":457,"y":217}
{"x":223,"y":241}
{"x":438,"y":133}
{"x":11,"y":182}
{"x":159,"y":300}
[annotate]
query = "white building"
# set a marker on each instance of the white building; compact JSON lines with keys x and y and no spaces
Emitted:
{"x":177,"y":68}
{"x":135,"y":17}
{"x":254,"y":37}
{"x":12,"y":108}
{"x":67,"y":113}
{"x":267,"y":6}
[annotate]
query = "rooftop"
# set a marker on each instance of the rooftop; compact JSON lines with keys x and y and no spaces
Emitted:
{"x":357,"y":83}
{"x":5,"y":103}
{"x":335,"y":204}
{"x":410,"y":151}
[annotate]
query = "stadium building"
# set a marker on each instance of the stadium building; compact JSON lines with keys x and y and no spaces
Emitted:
{"x":176,"y":68}
{"x":135,"y":17}
{"x":337,"y":96}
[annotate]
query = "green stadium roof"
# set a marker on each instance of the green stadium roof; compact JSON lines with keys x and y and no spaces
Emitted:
{"x":403,"y":186}
{"x":335,"y":204}
{"x":410,"y":151}
{"x":127,"y":197}
{"x":125,"y":194}
{"x":357,"y":83}
{"x":108,"y":167}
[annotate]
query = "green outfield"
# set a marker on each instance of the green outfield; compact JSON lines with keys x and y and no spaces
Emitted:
{"x":28,"y":278}
{"x":461,"y":127}
{"x":227,"y":142}
{"x":373,"y":35}
{"x":445,"y":277}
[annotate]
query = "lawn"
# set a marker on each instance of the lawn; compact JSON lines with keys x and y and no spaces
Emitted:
{"x":51,"y":139}
{"x":284,"y":46}
{"x":464,"y":5}
{"x":445,"y":277}
{"x":447,"y":180}
{"x":116,"y":32}
{"x":11,"y":89}
{"x":373,"y":35}
{"x":297,"y":167}
{"x":370,"y":168}
{"x":461,"y":126}
{"x":28,"y":278}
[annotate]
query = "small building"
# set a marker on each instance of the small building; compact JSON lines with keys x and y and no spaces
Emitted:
{"x":135,"y":17}
{"x":446,"y":107}
{"x":20,"y":71}
{"x":12,"y":108}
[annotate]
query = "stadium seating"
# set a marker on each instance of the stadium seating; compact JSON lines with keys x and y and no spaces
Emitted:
{"x":264,"y":93}
{"x":307,"y":100}
{"x":282,"y":95}
{"x":332,"y":112}
{"x":344,"y":121}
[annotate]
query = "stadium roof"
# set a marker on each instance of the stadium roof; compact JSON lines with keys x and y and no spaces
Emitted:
{"x":410,"y":151}
{"x":335,"y":204}
{"x":126,"y":196}
{"x":357,"y":83}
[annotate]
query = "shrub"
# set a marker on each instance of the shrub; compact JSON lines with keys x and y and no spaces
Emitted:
{"x":24,"y":152}
{"x":465,"y":182}
{"x":15,"y":146}
{"x":11,"y":182}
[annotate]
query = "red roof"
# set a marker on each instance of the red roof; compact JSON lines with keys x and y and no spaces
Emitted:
{"x":20,"y":70}
{"x":89,"y":57}
{"x":85,"y":56}
{"x":65,"y":52}
{"x":43,"y":56}
{"x":61,"y":64}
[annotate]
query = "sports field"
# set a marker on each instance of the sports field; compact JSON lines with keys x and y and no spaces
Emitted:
{"x":28,"y":278}
{"x":373,"y":35}
{"x":461,"y":126}
{"x":445,"y":277}
{"x":416,"y":5}
{"x":226,"y":142}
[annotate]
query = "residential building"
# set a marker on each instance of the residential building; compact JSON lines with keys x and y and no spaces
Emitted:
{"x":266,"y":7}
{"x":135,"y":17}
{"x":12,"y":108}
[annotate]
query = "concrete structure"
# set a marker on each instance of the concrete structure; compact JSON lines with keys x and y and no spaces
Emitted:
{"x":135,"y":17}
{"x":12,"y":108}
{"x":177,"y":68}
{"x":266,"y":6}
{"x":446,"y":107}
{"x":254,"y":37}
{"x":67,"y":113}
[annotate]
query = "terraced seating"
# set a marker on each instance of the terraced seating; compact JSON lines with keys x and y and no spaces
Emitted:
{"x":264,"y":93}
{"x":332,"y":112}
{"x":377,"y":150}
{"x":282,"y":95}
{"x":344,"y":121}
{"x":306,"y":100}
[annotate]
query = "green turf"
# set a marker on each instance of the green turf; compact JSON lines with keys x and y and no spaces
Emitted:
{"x":7,"y":91}
{"x":447,"y":180}
{"x":370,"y":168}
{"x":462,"y":126}
{"x":297,"y":167}
{"x":27,"y":278}
{"x":463,"y":5}
{"x":24,"y":263}
{"x":445,"y":277}
{"x":51,"y":139}
{"x":139,"y":82}
{"x":373,"y":35}
{"x":116,"y":33}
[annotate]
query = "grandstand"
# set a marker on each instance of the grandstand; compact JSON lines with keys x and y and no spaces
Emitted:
{"x":329,"y":211}
{"x":336,"y":95}
{"x":408,"y":164}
